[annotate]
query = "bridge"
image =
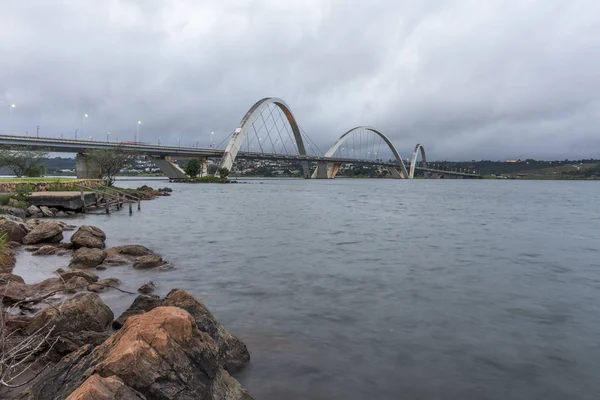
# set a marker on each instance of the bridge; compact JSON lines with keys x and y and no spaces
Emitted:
{"x":278,"y":138}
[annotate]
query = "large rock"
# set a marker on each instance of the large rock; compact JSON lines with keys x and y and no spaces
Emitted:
{"x":161,"y":354}
{"x":147,"y":287}
{"x":115,"y":259}
{"x":103,"y":285}
{"x":146,"y":262}
{"x":49,"y":250}
{"x":33,"y":210}
{"x":67,"y":275}
{"x":134,"y":250}
{"x":140,"y":305}
{"x":15,"y":232}
{"x":20,"y":291}
{"x":89,"y":236}
{"x":7,"y":261}
{"x":46,"y":211}
{"x":83,"y":312}
{"x":233,"y":353}
{"x":45,"y":232}
{"x":98,"y":388}
{"x":17,"y":212}
{"x":87,"y":258}
{"x":12,"y":218}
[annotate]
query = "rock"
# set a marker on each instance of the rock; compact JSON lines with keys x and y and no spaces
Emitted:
{"x":98,"y":388}
{"x":166,"y":189}
{"x":32,"y":223}
{"x":65,"y":245}
{"x":145,"y":188}
{"x":53,"y":209}
{"x":89,"y":236}
{"x":46,"y":211}
{"x":6,"y":277}
{"x":145,"y":262}
{"x":7,"y":261}
{"x":17,"y":212}
{"x":12,"y":218}
{"x":61,"y":214}
{"x":15,"y":232}
{"x":69,"y":342}
{"x":104,"y":284}
{"x":101,"y":267}
{"x":20,"y":291}
{"x":14,"y":203}
{"x":45,"y":232}
{"x":233,"y":353}
{"x":13,"y":245}
{"x":87,"y":258}
{"x":69,"y":227}
{"x":49,"y":250}
{"x":69,"y":212}
{"x":134,"y":250}
{"x":74,"y":283}
{"x":161,"y":354}
{"x":33,"y":210}
{"x":147,"y":287}
{"x":67,"y":275}
{"x":140,"y":305}
{"x":83,"y":312}
{"x":115,"y":259}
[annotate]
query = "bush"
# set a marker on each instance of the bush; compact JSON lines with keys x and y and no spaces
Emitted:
{"x":4,"y":199}
{"x":22,"y":190}
{"x":34,"y":171}
{"x":193,"y":167}
{"x":223,"y":172}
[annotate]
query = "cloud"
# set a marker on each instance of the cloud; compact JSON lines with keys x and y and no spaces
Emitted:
{"x":467,"y":79}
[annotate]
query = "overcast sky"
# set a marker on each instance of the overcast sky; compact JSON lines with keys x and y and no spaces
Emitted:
{"x":475,"y":79}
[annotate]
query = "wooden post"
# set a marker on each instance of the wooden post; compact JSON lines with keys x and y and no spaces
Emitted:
{"x":130,"y":208}
{"x":139,"y":207}
{"x":82,"y":200}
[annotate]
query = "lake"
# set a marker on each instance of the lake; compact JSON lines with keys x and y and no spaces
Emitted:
{"x":384,"y":289}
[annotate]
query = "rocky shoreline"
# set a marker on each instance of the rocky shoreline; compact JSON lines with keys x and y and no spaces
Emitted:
{"x":61,"y":341}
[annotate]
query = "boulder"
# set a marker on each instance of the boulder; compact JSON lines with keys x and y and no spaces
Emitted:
{"x":45,"y":232}
{"x":33,"y":210}
{"x":147,"y":287}
{"x":98,"y":388}
{"x":82,"y":312}
{"x":134,"y":250}
{"x":32,"y":223}
{"x":161,"y":354}
{"x":166,"y":189}
{"x":87,"y":258}
{"x":49,"y":250}
{"x":8,"y":277}
{"x":61,"y":214}
{"x":46,"y":211}
{"x":146,"y":262}
{"x":20,"y":291}
{"x":103,"y":285}
{"x":233,"y":353}
{"x":115,"y":259}
{"x":7,"y":261}
{"x":13,"y":245}
{"x":15,"y":232}
{"x":69,"y":342}
{"x":17,"y":212}
{"x":12,"y":218}
{"x":88,"y":236}
{"x":140,"y":305}
{"x":53,"y":209}
{"x":67,"y":275}
{"x":75,"y":283}
{"x":69,"y":212}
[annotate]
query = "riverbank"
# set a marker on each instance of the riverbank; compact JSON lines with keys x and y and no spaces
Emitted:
{"x":88,"y":347}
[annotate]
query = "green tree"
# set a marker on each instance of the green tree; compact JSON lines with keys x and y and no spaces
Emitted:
{"x":193,"y":167}
{"x":106,"y":164}
{"x":23,"y":161}
{"x":223,"y":172}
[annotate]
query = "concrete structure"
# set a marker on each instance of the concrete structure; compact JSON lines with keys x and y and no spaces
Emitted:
{"x":169,"y":168}
{"x":64,"y":200}
{"x":413,"y":163}
{"x":240,"y":133}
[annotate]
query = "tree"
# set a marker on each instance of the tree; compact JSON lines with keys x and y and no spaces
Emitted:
{"x":106,"y":164}
{"x":223,"y":172}
{"x":193,"y":167}
{"x":23,"y":161}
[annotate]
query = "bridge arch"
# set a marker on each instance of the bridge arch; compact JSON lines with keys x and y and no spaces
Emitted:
{"x":413,"y":163}
{"x":239,"y":135}
{"x":403,"y":173}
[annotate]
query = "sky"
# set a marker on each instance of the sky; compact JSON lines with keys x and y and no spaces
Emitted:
{"x":468,"y":79}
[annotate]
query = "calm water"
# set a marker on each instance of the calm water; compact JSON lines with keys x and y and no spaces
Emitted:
{"x":384,"y":289}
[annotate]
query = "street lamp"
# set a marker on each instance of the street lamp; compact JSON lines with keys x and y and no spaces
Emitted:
{"x":137,"y":139}
{"x":211,"y":139}
{"x":108,"y":136}
{"x":10,"y":107}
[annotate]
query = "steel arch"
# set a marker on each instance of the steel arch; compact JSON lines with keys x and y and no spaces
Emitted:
{"x":343,"y":138}
{"x":234,"y":145}
{"x":413,"y":163}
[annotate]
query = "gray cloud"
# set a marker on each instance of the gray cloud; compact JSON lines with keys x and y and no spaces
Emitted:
{"x":469,"y":80}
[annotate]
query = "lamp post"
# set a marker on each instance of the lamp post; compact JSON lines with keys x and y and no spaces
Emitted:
{"x":211,"y":139}
{"x":85,"y":116}
{"x":137,"y":139}
{"x":108,"y":136}
{"x":10,"y":108}
{"x":76,"y":130}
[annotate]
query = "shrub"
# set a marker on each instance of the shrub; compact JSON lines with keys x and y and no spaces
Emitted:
{"x":22,"y":190}
{"x":4,"y":199}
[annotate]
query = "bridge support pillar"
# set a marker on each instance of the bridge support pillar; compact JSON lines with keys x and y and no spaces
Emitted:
{"x":322,"y":171}
{"x":204,"y":168}
{"x":333,"y":170}
{"x":169,"y":168}
{"x":83,"y":169}
{"x":395,"y":173}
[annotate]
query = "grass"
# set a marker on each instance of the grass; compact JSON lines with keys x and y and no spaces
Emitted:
{"x":41,"y":180}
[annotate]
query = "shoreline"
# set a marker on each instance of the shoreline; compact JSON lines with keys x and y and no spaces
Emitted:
{"x":77,"y":292}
